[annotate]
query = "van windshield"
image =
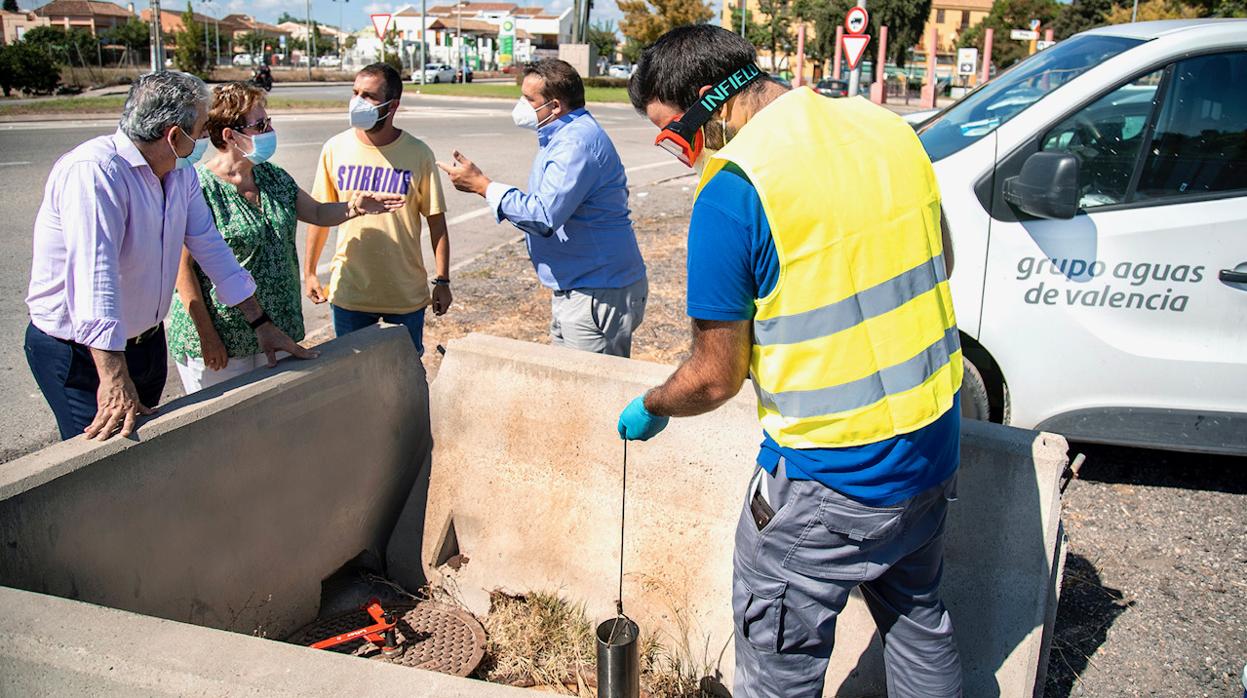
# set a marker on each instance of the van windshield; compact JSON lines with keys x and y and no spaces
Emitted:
{"x":985,"y":109}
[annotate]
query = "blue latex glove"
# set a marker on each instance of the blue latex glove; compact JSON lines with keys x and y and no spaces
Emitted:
{"x":637,"y":424}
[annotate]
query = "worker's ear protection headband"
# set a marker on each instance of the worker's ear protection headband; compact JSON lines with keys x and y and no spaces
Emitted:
{"x":683,"y":137}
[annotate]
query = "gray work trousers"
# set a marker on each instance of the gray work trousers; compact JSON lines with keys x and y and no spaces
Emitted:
{"x":600,"y":320}
{"x":791,"y":580}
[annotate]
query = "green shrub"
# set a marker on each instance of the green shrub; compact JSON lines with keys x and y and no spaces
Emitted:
{"x":27,"y":68}
{"x":606,"y":82}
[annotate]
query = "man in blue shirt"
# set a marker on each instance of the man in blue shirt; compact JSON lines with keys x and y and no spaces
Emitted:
{"x":845,"y":495}
{"x":575,"y":214}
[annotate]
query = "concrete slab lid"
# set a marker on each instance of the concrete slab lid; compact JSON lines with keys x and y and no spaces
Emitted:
{"x":62,"y":458}
{"x":107,"y":652}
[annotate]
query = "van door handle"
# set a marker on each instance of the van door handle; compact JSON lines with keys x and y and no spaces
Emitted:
{"x":1233,"y":276}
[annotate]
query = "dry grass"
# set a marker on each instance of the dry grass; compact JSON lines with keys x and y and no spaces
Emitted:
{"x":540,"y":640}
{"x":536,"y":640}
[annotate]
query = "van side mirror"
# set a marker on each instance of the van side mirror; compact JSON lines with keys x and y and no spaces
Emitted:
{"x":1046,"y":187}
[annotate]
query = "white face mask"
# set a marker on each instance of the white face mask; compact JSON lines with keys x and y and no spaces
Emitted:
{"x":364,"y":114}
{"x":525,"y":116}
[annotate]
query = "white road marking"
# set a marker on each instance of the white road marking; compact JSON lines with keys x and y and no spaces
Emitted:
{"x":14,"y":164}
{"x":652,"y":165}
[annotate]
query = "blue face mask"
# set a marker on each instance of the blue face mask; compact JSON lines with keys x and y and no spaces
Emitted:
{"x":197,"y":152}
{"x":262,"y":147}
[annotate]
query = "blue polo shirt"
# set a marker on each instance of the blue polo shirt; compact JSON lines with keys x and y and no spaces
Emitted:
{"x":731,"y":263}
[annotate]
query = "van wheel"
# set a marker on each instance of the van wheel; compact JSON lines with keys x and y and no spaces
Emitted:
{"x":975,"y":403}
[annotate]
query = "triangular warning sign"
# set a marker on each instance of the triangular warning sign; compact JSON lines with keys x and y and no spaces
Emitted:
{"x":381,"y":23}
{"x":854,"y":48}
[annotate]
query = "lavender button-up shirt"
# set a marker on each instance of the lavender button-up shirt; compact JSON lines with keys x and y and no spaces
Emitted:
{"x":108,"y":240}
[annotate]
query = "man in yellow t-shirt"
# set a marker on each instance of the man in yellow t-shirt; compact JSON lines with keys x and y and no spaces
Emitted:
{"x":378,"y":268}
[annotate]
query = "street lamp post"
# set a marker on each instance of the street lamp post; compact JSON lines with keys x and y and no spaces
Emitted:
{"x":308,"y":7}
{"x":158,"y":45}
{"x":423,"y":34}
{"x":459,"y":48}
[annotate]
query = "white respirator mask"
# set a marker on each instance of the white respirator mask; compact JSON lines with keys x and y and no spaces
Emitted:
{"x":364,"y":114}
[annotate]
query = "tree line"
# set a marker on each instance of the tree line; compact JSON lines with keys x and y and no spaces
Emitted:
{"x":771,"y":27}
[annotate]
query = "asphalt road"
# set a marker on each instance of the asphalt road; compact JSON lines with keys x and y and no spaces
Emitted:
{"x":482,"y":129}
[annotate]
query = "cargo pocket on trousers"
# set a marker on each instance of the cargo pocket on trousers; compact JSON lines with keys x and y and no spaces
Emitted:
{"x":759,"y":603}
{"x":844,"y":541}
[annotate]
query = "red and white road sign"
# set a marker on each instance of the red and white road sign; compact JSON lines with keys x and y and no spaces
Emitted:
{"x":856,"y":20}
{"x":854,"y":48}
{"x":381,"y":23}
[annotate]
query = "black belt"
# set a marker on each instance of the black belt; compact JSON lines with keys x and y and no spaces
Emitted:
{"x":145,"y":336}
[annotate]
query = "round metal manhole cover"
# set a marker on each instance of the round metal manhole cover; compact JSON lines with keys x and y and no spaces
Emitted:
{"x":432,"y":636}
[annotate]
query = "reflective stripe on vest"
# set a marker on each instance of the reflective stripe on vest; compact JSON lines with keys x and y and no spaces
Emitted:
{"x":858,"y":341}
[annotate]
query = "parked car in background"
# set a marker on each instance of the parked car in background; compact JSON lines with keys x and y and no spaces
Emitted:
{"x":1096,"y":199}
{"x":832,"y":88}
{"x":619,"y":71}
{"x":780,"y":79}
{"x":243,"y":59}
{"x":435,"y":72}
{"x":330,"y":61}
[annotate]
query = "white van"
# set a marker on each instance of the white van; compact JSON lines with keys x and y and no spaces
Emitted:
{"x":1096,"y":196}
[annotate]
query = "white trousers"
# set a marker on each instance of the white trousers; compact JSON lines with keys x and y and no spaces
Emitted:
{"x":195,"y":376}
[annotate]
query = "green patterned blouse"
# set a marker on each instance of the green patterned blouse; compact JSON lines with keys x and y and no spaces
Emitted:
{"x":263,"y":240}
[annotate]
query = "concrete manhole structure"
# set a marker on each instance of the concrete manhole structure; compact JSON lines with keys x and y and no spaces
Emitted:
{"x":218,"y":525}
{"x":431,"y":636}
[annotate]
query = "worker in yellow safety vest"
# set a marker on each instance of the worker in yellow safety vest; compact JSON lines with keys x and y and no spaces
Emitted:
{"x":816,"y":266}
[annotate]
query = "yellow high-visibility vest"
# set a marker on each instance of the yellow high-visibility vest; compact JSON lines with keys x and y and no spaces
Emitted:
{"x":857,"y":343}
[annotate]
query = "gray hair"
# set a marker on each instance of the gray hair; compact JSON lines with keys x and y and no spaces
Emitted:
{"x":160,"y":100}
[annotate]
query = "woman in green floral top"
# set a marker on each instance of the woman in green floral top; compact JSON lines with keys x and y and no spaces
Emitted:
{"x":257,"y":206}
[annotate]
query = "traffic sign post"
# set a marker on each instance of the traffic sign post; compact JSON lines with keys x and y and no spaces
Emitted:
{"x":381,"y":25}
{"x":967,"y":59}
{"x":856,"y":21}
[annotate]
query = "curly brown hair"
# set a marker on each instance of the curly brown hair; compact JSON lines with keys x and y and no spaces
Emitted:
{"x":230,"y":103}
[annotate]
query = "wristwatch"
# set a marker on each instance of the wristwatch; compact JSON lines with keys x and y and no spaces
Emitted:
{"x":255,"y":324}
{"x":440,"y":281}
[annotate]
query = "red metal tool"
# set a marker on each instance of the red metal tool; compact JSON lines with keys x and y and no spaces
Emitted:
{"x":381,"y":633}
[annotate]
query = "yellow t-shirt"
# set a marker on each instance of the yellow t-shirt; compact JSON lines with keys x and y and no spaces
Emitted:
{"x":378,"y":266}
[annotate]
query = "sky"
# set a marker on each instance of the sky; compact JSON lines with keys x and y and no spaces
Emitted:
{"x":354,"y":13}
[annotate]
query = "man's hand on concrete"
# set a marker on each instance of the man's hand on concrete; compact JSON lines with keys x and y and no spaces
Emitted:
{"x":117,"y":400}
{"x":637,"y":424}
{"x":273,"y":340}
{"x":465,"y":175}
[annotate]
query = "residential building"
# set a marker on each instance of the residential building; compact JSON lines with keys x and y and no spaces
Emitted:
{"x":85,"y":14}
{"x":538,"y":33}
{"x":950,"y":19}
{"x":246,"y":24}
{"x":298,"y":30}
{"x":14,"y":25}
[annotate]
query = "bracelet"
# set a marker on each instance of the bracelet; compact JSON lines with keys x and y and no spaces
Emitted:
{"x":440,"y":281}
{"x":255,"y":324}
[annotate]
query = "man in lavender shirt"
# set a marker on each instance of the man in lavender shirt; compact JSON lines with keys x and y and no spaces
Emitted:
{"x":108,"y":238}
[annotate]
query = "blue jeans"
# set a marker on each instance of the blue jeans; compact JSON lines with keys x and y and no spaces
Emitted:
{"x":347,"y":321}
{"x":68,"y":380}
